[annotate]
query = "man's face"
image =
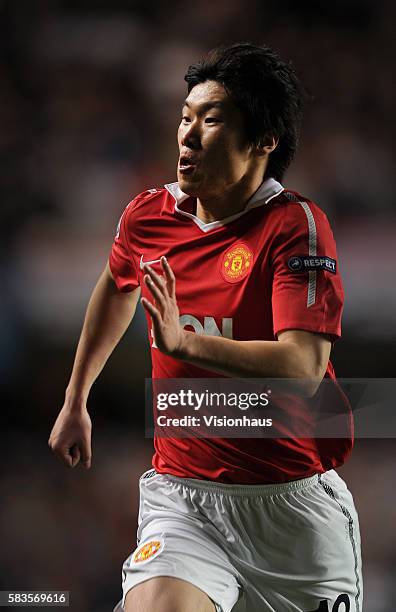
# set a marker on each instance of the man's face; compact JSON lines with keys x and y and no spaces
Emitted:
{"x":213,"y":153}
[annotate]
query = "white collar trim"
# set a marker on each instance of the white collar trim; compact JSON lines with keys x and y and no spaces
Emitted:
{"x":268,"y":190}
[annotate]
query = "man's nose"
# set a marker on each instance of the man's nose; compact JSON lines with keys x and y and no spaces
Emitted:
{"x":190,"y":136}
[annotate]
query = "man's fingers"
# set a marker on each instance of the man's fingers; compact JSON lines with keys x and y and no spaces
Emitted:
{"x":170,"y":277}
{"x":156,"y":278}
{"x":156,"y":318}
{"x":72,"y":455}
{"x":75,"y":455}
{"x":86,"y":455}
{"x":156,"y":293}
{"x":63,"y":454}
{"x":152,"y":310}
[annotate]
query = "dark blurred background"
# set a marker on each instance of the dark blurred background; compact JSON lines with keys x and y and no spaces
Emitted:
{"x":90,"y":96}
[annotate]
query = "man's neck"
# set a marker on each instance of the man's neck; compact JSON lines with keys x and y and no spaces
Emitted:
{"x":231,"y":202}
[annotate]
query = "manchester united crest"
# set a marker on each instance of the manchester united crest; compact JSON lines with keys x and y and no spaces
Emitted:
{"x":236,"y":263}
{"x":147,"y":551}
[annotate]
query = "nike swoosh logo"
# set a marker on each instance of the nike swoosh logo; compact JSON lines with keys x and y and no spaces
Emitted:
{"x":148,"y":263}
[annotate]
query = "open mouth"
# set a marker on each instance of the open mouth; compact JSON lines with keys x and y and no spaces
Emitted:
{"x":187,"y":164}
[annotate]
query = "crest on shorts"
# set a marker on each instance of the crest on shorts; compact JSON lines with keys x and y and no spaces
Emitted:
{"x":147,"y":551}
{"x":236,"y":262}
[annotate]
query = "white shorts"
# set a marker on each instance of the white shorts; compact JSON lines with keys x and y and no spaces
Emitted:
{"x":292,"y":547}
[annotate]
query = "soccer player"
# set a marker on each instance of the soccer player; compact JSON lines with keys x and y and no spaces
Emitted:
{"x":239,"y":278}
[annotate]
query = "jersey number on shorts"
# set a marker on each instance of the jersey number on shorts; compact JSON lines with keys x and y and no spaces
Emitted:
{"x":341,"y":599}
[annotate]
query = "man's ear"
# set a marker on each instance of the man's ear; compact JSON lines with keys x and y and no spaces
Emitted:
{"x":267,"y":145}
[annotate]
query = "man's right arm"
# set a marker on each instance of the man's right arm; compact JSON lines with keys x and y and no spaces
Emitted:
{"x":108,"y":316}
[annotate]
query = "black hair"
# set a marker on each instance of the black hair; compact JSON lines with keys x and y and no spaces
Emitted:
{"x":265,"y":89}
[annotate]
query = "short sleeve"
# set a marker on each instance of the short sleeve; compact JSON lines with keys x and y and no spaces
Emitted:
{"x":121,"y":262}
{"x":307,"y":290}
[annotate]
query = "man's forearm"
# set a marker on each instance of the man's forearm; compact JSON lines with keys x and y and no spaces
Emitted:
{"x":255,"y":359}
{"x":108,"y":315}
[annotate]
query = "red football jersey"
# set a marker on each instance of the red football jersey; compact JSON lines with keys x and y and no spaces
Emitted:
{"x":250,"y":276}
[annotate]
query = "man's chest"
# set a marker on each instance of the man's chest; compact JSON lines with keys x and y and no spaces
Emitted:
{"x":223,"y":279}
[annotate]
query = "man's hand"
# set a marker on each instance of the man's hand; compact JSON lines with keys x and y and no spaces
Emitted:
{"x":70,"y":437}
{"x":168,"y":333}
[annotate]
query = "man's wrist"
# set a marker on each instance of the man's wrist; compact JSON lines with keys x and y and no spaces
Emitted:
{"x":184,"y":349}
{"x":75,"y":400}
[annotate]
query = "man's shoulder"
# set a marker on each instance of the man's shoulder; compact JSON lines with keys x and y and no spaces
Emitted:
{"x":294,"y":206}
{"x":151,"y":202}
{"x":149,"y":198}
{"x":289,"y":197}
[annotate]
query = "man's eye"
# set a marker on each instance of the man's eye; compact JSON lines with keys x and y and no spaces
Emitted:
{"x":212,"y":120}
{"x":186,"y":119}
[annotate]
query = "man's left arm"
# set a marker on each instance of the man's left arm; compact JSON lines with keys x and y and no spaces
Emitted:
{"x":296,"y":354}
